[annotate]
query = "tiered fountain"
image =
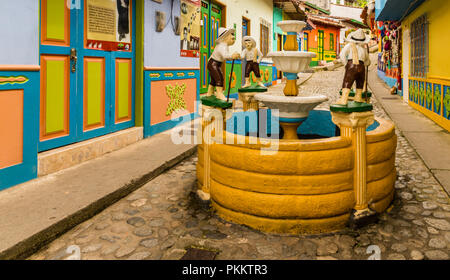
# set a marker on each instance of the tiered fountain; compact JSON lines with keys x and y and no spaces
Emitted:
{"x":293,"y":109}
{"x":292,"y":185}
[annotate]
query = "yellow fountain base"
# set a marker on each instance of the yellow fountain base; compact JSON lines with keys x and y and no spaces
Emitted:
{"x":307,"y":187}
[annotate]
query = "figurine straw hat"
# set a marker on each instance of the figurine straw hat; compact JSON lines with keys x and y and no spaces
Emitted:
{"x":223,"y":33}
{"x":358,"y":37}
{"x":249,"y":38}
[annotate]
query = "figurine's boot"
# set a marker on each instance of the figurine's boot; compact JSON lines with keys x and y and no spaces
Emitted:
{"x":344,"y":98}
{"x":247,"y":83}
{"x":258,"y":80}
{"x":358,"y":95}
{"x":210,"y":91}
{"x":219,"y":94}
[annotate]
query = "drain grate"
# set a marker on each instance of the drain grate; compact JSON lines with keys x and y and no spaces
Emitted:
{"x":390,"y":97}
{"x":194,"y":254}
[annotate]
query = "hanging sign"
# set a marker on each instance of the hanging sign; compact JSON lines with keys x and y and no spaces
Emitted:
{"x":108,"y":25}
{"x":190,"y":28}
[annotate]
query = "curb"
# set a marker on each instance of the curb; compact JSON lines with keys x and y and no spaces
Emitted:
{"x":32,"y":244}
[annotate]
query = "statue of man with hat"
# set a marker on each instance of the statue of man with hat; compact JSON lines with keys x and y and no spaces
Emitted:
{"x":219,"y":55}
{"x":253,"y":56}
{"x":355,"y":57}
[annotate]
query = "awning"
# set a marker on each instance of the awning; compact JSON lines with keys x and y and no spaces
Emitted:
{"x":395,"y":10}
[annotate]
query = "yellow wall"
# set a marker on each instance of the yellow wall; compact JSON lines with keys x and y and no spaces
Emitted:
{"x":438,"y":13}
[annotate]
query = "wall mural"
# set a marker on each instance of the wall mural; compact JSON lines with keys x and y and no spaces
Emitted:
{"x":176,"y":95}
{"x":108,"y":25}
{"x":190,"y":28}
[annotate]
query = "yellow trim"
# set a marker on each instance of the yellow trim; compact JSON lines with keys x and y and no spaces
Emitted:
{"x":440,"y":120}
{"x":433,"y":79}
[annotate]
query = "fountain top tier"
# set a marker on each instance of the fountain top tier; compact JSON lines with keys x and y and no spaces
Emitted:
{"x":291,"y":61}
{"x":291,"y":25}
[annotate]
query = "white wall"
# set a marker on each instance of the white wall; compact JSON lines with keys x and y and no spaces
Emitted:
{"x":19,"y":24}
{"x":255,"y":11}
{"x":324,"y":4}
{"x":162,"y":49}
{"x":405,"y":66}
{"x":345,"y":11}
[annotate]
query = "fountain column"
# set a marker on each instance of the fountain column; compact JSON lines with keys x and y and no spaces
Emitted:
{"x":213,"y":124}
{"x":354,"y":126}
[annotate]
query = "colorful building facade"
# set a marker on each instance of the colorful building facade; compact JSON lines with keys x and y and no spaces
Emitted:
{"x":77,"y":70}
{"x":321,"y":35}
{"x":425,"y":72}
{"x":323,"y":40}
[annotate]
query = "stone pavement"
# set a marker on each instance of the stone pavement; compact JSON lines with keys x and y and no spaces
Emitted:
{"x":33,"y":213}
{"x":163,"y":218}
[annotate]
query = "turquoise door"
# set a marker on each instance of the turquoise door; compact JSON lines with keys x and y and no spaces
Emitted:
{"x":87,"y":70}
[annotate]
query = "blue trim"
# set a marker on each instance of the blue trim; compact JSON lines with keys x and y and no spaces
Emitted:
{"x":26,"y":170}
{"x":236,"y":61}
{"x":166,"y":75}
{"x":164,"y":126}
{"x":388,"y":80}
{"x":394,"y":10}
{"x":292,"y":120}
{"x":234,"y":96}
{"x":262,"y":63}
{"x":290,"y":76}
{"x":292,"y":33}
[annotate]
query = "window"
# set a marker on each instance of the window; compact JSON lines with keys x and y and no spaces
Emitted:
{"x":305,"y":38}
{"x":245,"y":27}
{"x":419,"y":47}
{"x":264,"y":41}
{"x":331,"y":42}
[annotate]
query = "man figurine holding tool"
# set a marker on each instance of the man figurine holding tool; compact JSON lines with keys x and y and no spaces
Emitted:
{"x":220,"y":54}
{"x":253,"y":56}
{"x":355,"y":57}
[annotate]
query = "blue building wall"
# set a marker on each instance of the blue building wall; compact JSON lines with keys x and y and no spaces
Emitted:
{"x":19,"y":43}
{"x":162,"y":49}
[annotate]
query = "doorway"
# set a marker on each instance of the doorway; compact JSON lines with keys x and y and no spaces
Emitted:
{"x":212,"y":15}
{"x":321,"y":45}
{"x":280,"y":42}
{"x":87,"y":70}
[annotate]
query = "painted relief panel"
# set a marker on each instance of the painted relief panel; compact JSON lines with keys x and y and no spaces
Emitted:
{"x":429,"y":96}
{"x":437,"y":100}
{"x":421,"y":101}
{"x":446,"y":103}
{"x":411,"y":90}
{"x":171,"y":96}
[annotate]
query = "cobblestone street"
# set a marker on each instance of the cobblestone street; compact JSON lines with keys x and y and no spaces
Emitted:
{"x":162,"y":219}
